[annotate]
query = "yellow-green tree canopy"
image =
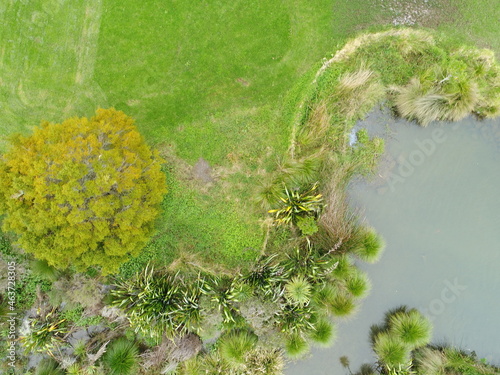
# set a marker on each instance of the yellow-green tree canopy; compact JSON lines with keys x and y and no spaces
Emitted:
{"x":83,"y":192}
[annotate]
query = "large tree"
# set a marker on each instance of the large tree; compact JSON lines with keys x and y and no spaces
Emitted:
{"x":83,"y":192}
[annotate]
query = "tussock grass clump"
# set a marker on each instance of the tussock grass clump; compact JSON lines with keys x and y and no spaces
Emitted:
{"x":358,"y":284}
{"x":312,"y":134}
{"x":489,"y":102}
{"x":483,"y":67}
{"x":417,"y":102}
{"x":235,"y":345}
{"x":342,"y":304}
{"x":292,"y":173}
{"x":324,"y":297}
{"x":298,"y":290}
{"x":265,"y":362}
{"x":296,"y":346}
{"x":121,"y":357}
{"x":390,"y":350}
{"x":469,"y":82}
{"x":401,"y":344}
{"x":337,"y":224}
{"x":430,"y":361}
{"x":357,"y":93}
{"x":49,"y":367}
{"x":458,"y":361}
{"x":411,"y":327}
{"x":370,"y":245}
{"x":344,"y":268}
{"x":324,"y":333}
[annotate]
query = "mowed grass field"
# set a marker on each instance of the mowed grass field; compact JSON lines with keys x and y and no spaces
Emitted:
{"x":203,"y":79}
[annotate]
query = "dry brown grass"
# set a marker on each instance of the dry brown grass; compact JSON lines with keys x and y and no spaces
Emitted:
{"x":431,"y":361}
{"x":417,"y":102}
{"x":357,"y":93}
{"x":338,"y":222}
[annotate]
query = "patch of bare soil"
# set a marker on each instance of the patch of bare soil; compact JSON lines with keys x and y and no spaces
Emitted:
{"x":202,"y":171}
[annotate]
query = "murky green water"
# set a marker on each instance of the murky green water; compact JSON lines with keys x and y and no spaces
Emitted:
{"x":436,"y":201}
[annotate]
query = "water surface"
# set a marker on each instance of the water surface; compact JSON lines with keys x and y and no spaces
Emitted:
{"x":436,"y":201}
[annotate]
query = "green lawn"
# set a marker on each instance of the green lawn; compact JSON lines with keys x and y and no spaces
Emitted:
{"x":203,"y":79}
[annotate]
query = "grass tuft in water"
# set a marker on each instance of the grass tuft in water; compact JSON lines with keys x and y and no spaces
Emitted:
{"x":358,"y":284}
{"x":324,"y":333}
{"x":390,"y":350}
{"x":411,"y":327}
{"x":370,"y":245}
{"x":296,"y":346}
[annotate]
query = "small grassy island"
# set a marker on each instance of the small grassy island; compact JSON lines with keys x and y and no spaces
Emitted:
{"x":253,"y":260}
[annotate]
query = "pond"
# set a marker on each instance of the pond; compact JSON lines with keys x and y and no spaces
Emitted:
{"x":436,"y":201}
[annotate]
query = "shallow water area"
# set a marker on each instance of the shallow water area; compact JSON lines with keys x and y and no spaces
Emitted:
{"x":435,"y":200}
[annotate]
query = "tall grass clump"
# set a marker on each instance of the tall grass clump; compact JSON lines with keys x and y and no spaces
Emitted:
{"x":121,"y":357}
{"x":313,"y":133}
{"x":444,"y":360}
{"x":337,"y":224}
{"x":482,"y":65}
{"x":404,"y":330}
{"x":458,"y":361}
{"x":49,"y":366}
{"x":342,"y":304}
{"x":370,"y":245}
{"x":262,"y":361}
{"x":390,"y":350}
{"x":344,"y":266}
{"x":298,"y":290}
{"x":452,"y":90}
{"x":411,"y":327}
{"x":324,"y":297}
{"x":292,"y":174}
{"x":442,"y":102}
{"x":430,"y":361}
{"x":357,"y":92}
{"x":296,"y":345}
{"x":324,"y":333}
{"x":402,"y":346}
{"x":358,"y":284}
{"x":235,"y":345}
